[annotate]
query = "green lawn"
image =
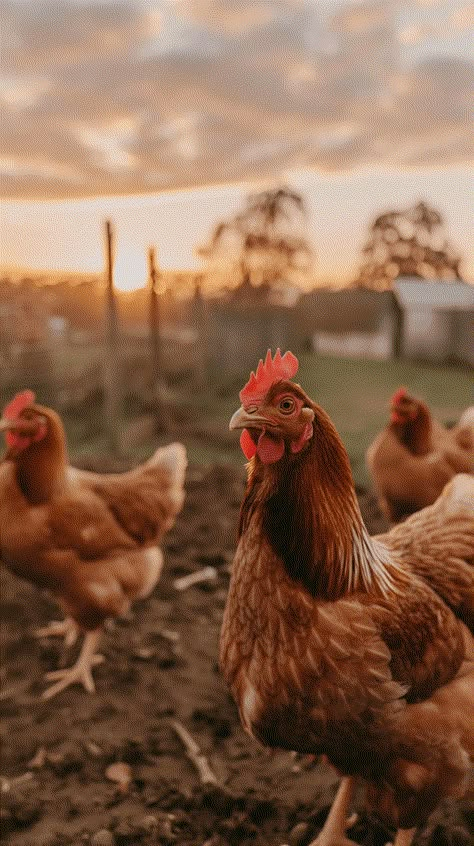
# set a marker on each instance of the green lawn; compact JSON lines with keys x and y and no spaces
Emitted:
{"x":355,"y":394}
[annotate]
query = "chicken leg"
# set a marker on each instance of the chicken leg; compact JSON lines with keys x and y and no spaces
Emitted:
{"x":80,"y":672}
{"x":334,"y":829}
{"x":403,"y":837}
{"x":66,"y":628}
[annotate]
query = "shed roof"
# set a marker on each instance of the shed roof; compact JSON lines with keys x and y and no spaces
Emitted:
{"x":412,"y":292}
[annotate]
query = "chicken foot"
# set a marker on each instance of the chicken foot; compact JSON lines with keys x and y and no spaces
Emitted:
{"x":80,"y":672}
{"x":334,"y":829}
{"x":66,"y":628}
{"x":403,"y":837}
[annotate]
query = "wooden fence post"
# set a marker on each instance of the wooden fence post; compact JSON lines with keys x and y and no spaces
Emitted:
{"x":157,"y":381}
{"x":202,"y":325}
{"x":112,"y":398}
{"x":398,"y":318}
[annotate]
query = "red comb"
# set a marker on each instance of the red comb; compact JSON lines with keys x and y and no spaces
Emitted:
{"x":400,"y":394}
{"x":18,"y":404}
{"x":281,"y":367}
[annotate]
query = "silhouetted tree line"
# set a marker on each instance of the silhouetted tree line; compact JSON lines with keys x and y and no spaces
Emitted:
{"x":411,"y":242}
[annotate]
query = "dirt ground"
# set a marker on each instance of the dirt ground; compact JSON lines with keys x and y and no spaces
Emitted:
{"x":57,"y":789}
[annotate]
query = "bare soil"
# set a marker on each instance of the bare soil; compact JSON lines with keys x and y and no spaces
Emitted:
{"x":160,"y":667}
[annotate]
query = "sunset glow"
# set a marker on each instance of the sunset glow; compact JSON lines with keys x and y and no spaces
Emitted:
{"x":131,"y":270}
{"x":68,"y":235}
{"x":148,"y":116}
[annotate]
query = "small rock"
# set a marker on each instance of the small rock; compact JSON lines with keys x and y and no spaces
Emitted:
{"x":104,"y":837}
{"x":121,"y":774}
{"x":299,"y":835}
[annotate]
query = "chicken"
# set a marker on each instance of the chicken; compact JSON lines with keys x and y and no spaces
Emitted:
{"x":91,"y":540}
{"x":414,"y":457}
{"x":341,"y":644}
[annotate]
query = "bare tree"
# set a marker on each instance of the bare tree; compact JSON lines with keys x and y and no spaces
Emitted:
{"x":410,"y":242}
{"x":264,"y":243}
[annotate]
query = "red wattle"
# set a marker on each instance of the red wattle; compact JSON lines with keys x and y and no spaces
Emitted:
{"x":248,"y":447}
{"x":270,"y":449}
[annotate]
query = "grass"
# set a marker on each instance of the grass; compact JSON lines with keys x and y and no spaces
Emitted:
{"x":355,"y":393}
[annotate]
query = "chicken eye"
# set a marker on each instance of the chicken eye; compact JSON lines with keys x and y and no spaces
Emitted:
{"x":287,"y":405}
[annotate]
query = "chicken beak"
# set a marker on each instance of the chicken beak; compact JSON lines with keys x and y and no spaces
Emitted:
{"x":24,"y":427}
{"x":6,"y":425}
{"x":243,"y":419}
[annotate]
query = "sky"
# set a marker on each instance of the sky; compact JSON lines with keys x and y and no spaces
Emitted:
{"x":164,"y":114}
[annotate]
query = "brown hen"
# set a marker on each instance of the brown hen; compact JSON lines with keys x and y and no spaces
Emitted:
{"x":414,"y":457}
{"x":91,"y":540}
{"x":337,"y":643}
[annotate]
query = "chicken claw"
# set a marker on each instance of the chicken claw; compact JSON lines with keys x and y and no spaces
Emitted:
{"x":333,"y":831}
{"x":80,"y":672}
{"x":60,"y":628}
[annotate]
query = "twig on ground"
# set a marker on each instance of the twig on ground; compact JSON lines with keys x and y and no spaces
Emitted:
{"x":167,"y":634}
{"x":194,"y":754}
{"x":207,"y":574}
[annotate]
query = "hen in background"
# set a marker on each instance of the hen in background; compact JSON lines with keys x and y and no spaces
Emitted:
{"x":91,"y":540}
{"x":337,"y":643}
{"x":414,"y":457}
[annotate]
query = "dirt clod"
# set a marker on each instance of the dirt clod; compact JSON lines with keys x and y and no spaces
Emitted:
{"x":103,"y":837}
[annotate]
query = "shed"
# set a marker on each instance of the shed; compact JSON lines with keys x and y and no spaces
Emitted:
{"x":437,"y":319}
{"x":353,"y":322}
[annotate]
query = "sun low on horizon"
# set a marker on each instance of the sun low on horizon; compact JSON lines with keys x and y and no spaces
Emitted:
{"x":130,"y":270}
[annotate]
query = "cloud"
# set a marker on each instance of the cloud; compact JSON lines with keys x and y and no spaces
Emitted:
{"x":463,"y":18}
{"x":135,"y":96}
{"x":362,"y":17}
{"x":58,"y":33}
{"x":229,"y":17}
